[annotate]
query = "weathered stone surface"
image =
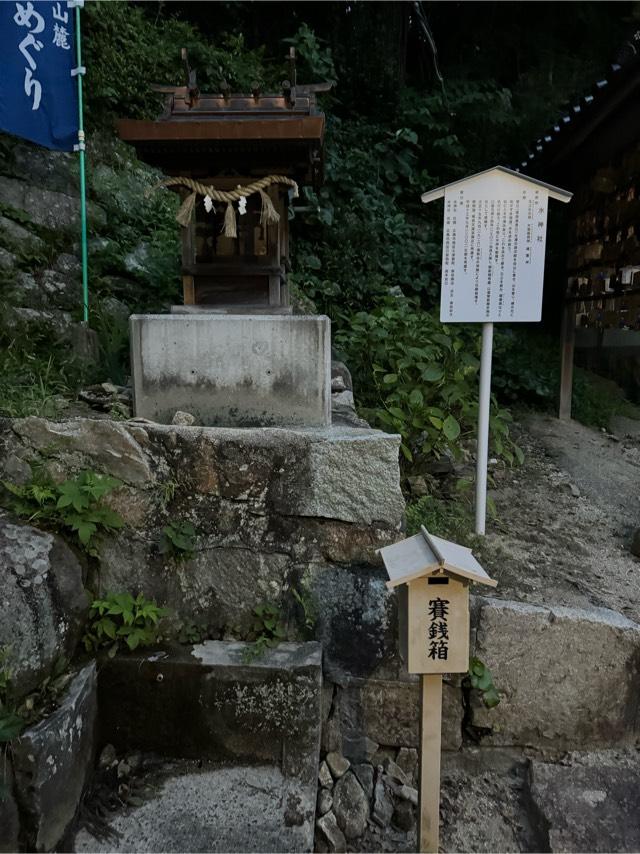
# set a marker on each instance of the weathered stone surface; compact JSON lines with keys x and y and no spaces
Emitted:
{"x":566,"y":677}
{"x":331,"y":833}
{"x":394,"y":771}
{"x":355,"y":603}
{"x":9,"y":816}
{"x":58,"y":322}
{"x":338,"y":765}
{"x":18,"y":234}
{"x":325,"y":801}
{"x":50,"y":208}
{"x":404,"y":816}
{"x":52,"y":763}
{"x":382,"y":809}
{"x":407,"y":760}
{"x":388,"y":712}
{"x":212,"y":808}
{"x":104,"y":445}
{"x":592,"y":808}
{"x":185,"y":419}
{"x":42,"y":600}
{"x":351,"y":806}
{"x":324,"y":776}
{"x":359,"y":749}
{"x":7,"y":259}
{"x":364,"y":773}
{"x":266,"y":710}
{"x":232,"y":370}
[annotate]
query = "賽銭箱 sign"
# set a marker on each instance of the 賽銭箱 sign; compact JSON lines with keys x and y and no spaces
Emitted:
{"x":493,"y":246}
{"x":432,"y":576}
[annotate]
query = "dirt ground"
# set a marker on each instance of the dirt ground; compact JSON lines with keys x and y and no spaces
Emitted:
{"x":565,"y":519}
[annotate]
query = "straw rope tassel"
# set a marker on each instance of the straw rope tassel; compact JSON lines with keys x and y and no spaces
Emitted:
{"x":230,"y":229}
{"x":186,"y":210}
{"x":268,"y":214}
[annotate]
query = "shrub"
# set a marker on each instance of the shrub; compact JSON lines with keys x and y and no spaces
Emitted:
{"x":120,"y":618}
{"x":417,"y":377}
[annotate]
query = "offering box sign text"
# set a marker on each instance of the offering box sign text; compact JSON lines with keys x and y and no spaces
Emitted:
{"x":493,"y":251}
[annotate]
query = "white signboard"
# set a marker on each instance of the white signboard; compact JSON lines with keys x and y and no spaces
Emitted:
{"x":493,"y":248}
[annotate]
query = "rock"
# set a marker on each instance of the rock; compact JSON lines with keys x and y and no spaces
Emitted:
{"x":337,"y":384}
{"x":338,"y":765}
{"x":116,"y":308}
{"x":364,"y":773}
{"x":53,"y":170}
{"x":331,"y":833}
{"x":42,"y":600}
{"x":388,"y":710}
{"x":635,"y":543}
{"x":49,"y":208}
{"x":393,"y":771}
{"x":407,"y":759}
{"x":184,"y":419}
{"x":325,"y":801}
{"x":68,"y":265}
{"x":351,"y":806}
{"x":53,"y":762}
{"x":324,"y":776}
{"x":136,"y":261}
{"x":404,"y":816}
{"x":85,"y":343}
{"x":359,"y":748}
{"x":382,"y":809}
{"x":16,"y":470}
{"x":555,"y":700}
{"x":592,"y":808}
{"x":340,"y":371}
{"x":59,"y":322}
{"x":20,"y":235}
{"x":7,"y":259}
{"x":418,"y":486}
{"x":84,"y":442}
{"x":108,"y":757}
{"x":9,"y":815}
{"x":406,"y":793}
{"x":575,"y":491}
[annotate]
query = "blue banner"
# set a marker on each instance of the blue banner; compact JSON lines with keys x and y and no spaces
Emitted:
{"x":38,"y":95}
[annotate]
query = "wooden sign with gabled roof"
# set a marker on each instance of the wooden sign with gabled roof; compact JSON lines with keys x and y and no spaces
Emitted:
{"x":432,"y":576}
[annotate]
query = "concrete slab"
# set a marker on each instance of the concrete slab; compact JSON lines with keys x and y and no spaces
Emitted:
{"x":215,"y":809}
{"x":209,"y":702}
{"x":232,"y":370}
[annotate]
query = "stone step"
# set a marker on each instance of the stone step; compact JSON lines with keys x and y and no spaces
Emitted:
{"x":212,"y":808}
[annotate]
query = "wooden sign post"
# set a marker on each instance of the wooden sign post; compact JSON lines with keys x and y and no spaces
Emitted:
{"x":495,"y":228}
{"x":432,"y":576}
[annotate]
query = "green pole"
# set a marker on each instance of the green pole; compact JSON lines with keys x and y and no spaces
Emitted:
{"x":83,"y":181}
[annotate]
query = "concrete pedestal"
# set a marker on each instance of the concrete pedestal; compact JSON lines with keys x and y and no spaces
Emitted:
{"x":232,"y":370}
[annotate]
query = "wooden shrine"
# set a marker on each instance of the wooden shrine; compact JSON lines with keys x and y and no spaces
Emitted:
{"x":432,"y":576}
{"x":235,"y":254}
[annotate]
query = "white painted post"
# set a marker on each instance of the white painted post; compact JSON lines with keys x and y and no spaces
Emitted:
{"x":484,"y":407}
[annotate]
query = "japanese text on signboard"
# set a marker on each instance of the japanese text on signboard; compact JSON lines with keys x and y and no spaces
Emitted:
{"x":493,"y":251}
{"x":438,"y":630}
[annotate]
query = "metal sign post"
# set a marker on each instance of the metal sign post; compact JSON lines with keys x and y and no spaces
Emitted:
{"x":493,"y":249}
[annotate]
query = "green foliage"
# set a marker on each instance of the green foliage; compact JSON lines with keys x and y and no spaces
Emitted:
{"x":121,"y":619}
{"x":452,"y":520}
{"x":179,"y":539}
{"x":127,"y":50}
{"x":314,"y":58}
{"x":417,"y":377}
{"x":190,"y":632}
{"x":480,"y":679}
{"x":268,"y":630}
{"x":75,"y":505}
{"x":307,"y":606}
{"x":32,"y":383}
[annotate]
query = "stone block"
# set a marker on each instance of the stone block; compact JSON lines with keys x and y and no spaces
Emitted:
{"x":587,"y":808}
{"x":209,"y":702}
{"x":388,"y":711}
{"x":566,"y":677}
{"x":233,"y":370}
{"x":42,"y":600}
{"x":9,"y":816}
{"x":53,"y":761}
